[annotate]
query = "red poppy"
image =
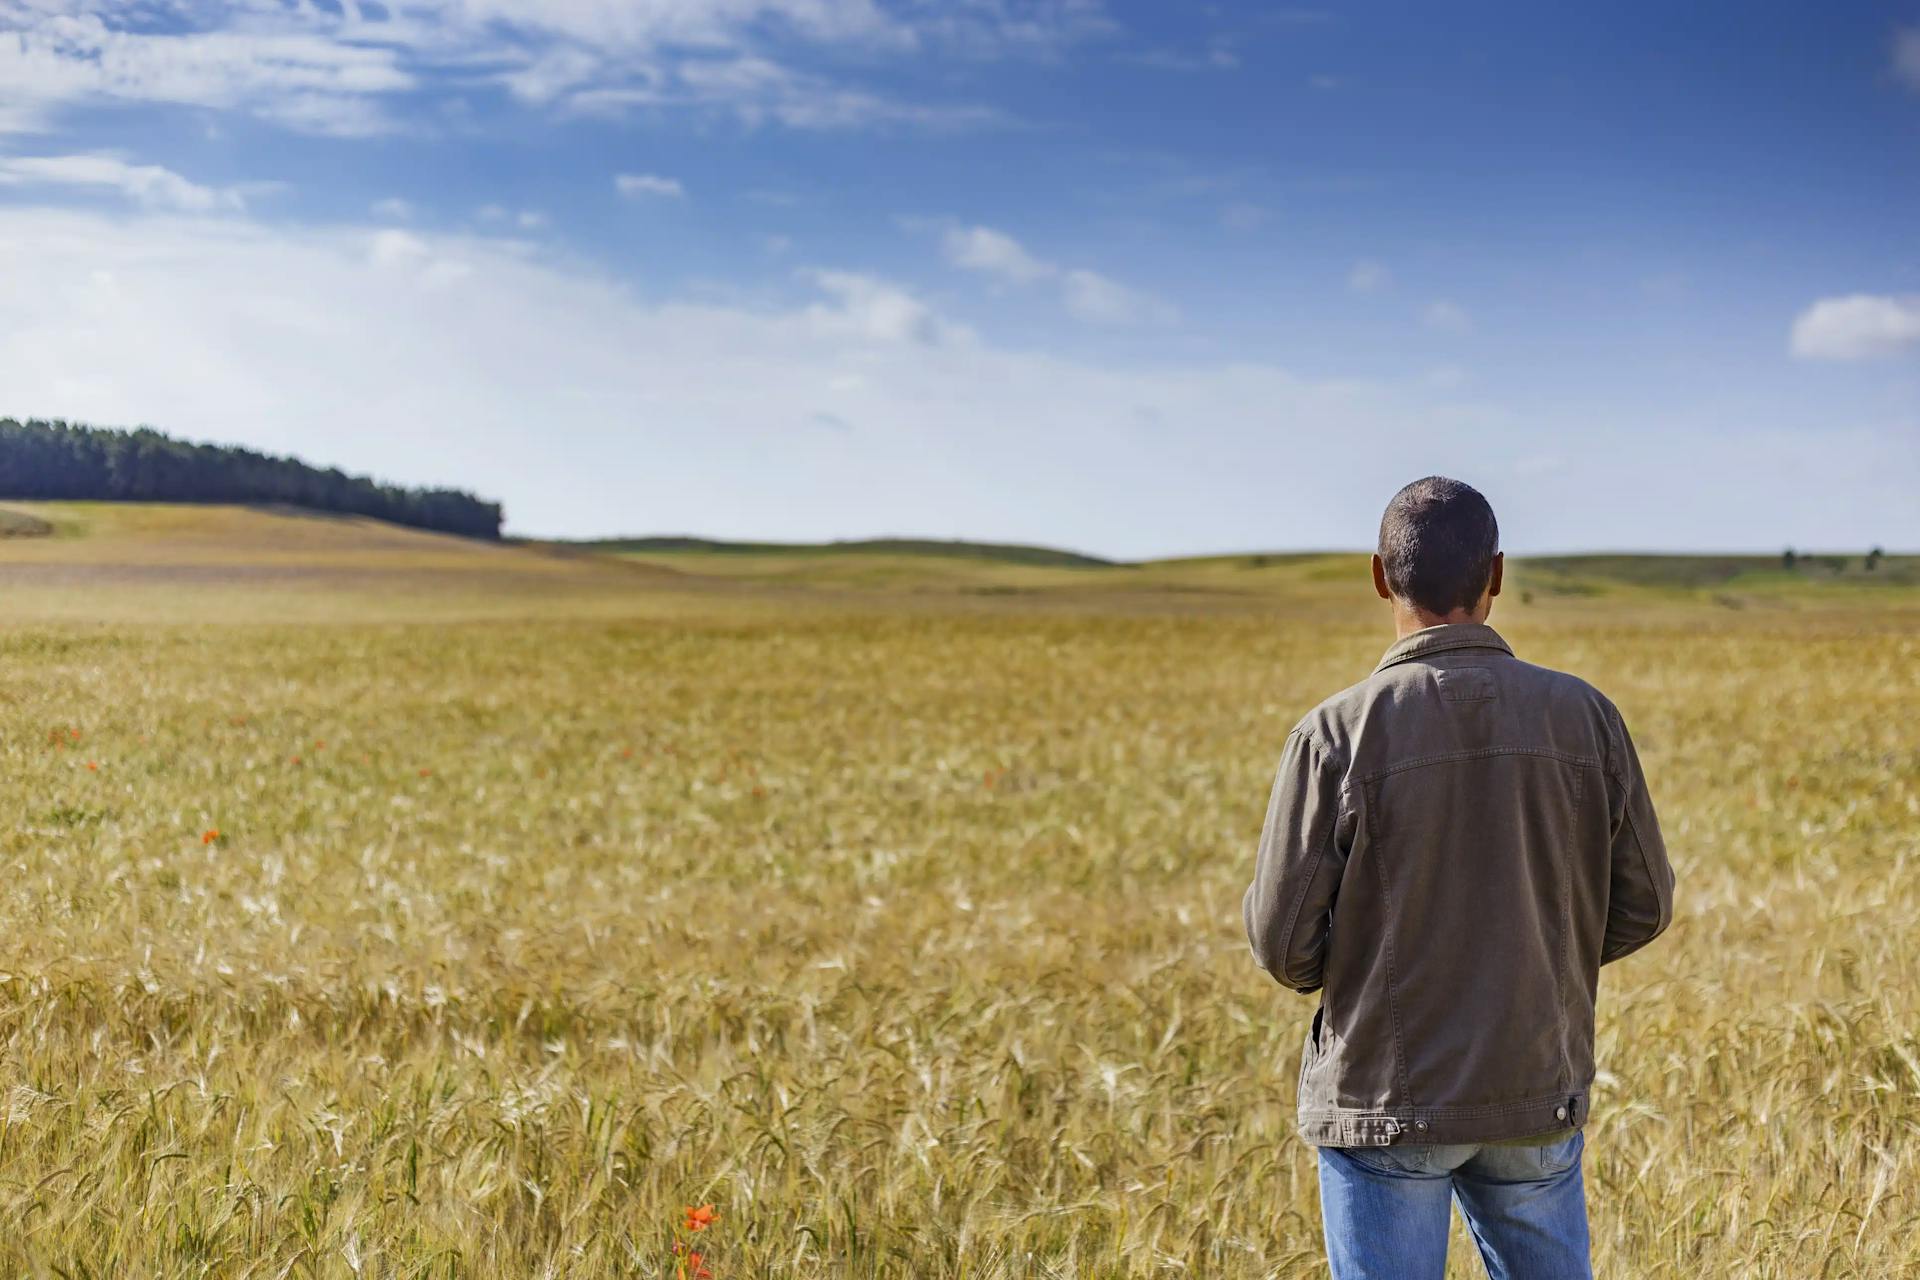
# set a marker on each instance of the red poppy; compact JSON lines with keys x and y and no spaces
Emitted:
{"x":209,"y":835}
{"x":92,"y":767}
{"x":702,"y":1218}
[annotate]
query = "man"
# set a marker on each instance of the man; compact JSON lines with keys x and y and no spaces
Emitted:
{"x":1454,"y":847}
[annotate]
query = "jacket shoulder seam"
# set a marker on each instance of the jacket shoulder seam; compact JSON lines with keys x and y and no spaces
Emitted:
{"x":1320,"y":744}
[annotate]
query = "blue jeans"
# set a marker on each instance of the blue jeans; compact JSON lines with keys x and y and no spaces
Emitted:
{"x":1386,"y":1210}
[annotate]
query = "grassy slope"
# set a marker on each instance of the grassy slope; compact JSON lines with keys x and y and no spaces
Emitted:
{"x":157,"y":561}
{"x":1723,"y":579}
{"x":1001,"y":552}
{"x":186,"y":562}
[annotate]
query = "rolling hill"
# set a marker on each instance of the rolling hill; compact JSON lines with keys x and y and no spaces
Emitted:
{"x":190,"y":562}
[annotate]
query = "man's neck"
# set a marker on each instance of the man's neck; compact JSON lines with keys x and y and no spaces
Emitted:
{"x":1407,"y":619}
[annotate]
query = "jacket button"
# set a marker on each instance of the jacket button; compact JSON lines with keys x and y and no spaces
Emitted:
{"x":1559,"y":1113}
{"x":1421,"y":1125}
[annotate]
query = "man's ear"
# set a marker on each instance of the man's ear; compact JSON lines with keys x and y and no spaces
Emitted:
{"x":1493,"y":579}
{"x":1380,"y":578}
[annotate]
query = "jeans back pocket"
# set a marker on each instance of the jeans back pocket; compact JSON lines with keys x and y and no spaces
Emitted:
{"x":1558,"y":1157}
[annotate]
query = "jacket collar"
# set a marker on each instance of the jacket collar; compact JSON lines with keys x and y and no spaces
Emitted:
{"x":1448,"y":635}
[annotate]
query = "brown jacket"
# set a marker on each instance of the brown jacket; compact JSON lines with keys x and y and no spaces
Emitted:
{"x":1454,"y":847}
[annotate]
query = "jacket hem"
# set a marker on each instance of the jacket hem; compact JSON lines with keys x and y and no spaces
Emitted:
{"x":1497,"y":1122}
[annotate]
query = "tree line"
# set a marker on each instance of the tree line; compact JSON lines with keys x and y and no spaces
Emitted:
{"x":1790,"y":559}
{"x":60,"y":460}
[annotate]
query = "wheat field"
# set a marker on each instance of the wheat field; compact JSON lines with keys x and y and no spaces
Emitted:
{"x":381,"y":906}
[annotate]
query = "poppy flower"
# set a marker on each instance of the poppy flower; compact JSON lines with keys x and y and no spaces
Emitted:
{"x":702,"y":1218}
{"x":209,"y":835}
{"x":92,"y":767}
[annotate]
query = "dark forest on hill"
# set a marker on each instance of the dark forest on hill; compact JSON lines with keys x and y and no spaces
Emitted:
{"x":67,"y":461}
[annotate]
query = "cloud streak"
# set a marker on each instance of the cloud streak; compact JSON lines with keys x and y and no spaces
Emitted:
{"x":641,"y":185}
{"x":149,"y":185}
{"x":294,"y":72}
{"x":1859,"y":326}
{"x":1087,"y":295}
{"x":351,"y":70}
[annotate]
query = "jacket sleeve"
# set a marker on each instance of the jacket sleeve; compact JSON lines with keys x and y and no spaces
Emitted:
{"x":1640,"y":887}
{"x":1288,"y":907}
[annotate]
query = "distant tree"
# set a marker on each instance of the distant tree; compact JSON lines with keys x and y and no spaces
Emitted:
{"x":1788,"y":559}
{"x":1873,"y":559}
{"x":60,"y":460}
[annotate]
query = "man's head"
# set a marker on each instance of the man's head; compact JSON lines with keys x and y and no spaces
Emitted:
{"x":1439,"y":557}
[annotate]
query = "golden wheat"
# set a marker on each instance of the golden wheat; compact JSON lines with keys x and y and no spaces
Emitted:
{"x":905,"y":937}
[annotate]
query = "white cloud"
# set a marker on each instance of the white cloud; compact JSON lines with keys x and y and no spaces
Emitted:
{"x":393,"y":209}
{"x":553,"y":73}
{"x":1860,"y":326}
{"x":1087,"y":295}
{"x":1218,"y":56}
{"x":348,"y":70}
{"x":651,"y":24}
{"x":397,"y":249}
{"x":329,"y":116}
{"x":301,"y":77}
{"x":634,"y":185}
{"x":1369,"y":276}
{"x":1906,"y":56}
{"x":872,"y":309}
{"x":995,"y":253}
{"x":1096,"y":299}
{"x":147,"y":184}
{"x":1447,"y":317}
{"x":525,"y":219}
{"x":756,"y":90}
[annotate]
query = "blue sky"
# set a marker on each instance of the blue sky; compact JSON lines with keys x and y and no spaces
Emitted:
{"x":1139,"y":279}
